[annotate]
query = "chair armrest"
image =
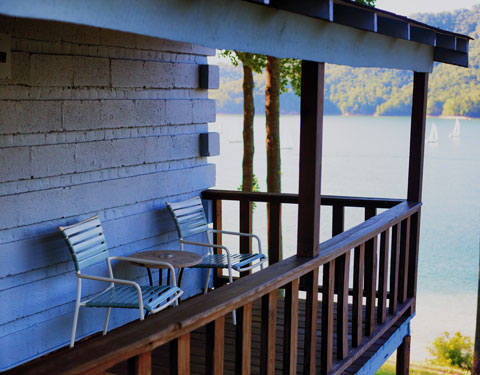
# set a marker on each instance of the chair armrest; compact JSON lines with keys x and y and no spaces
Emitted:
{"x":239,"y":234}
{"x":116,"y":281}
{"x":209,"y":245}
{"x":144,"y":261}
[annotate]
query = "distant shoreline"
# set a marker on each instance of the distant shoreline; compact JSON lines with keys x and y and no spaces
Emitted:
{"x":358,"y":115}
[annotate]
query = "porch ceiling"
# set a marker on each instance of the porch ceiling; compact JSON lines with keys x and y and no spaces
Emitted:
{"x":345,"y":34}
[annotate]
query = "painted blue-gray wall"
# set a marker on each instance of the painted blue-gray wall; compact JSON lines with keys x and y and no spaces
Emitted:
{"x":92,"y":121}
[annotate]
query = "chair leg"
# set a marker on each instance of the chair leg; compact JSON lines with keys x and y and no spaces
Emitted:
{"x":75,"y":321}
{"x":205,"y":290}
{"x":105,"y":327}
{"x":230,"y":279}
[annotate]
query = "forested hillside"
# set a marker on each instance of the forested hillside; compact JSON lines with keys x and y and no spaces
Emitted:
{"x":367,"y":91}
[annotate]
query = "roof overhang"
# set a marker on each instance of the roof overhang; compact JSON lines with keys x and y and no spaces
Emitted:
{"x":251,"y":27}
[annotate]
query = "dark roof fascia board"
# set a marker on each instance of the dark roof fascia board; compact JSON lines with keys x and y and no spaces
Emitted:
{"x":380,"y":21}
{"x":448,"y":56}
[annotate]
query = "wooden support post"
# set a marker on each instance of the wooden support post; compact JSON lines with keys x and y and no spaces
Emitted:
{"x":413,"y":264}
{"x":310,"y":285}
{"x":403,"y":357}
{"x":215,"y":346}
{"x":245,"y":227}
{"x":217,"y":239}
{"x":417,"y":136}
{"x":268,"y":333}
{"x":140,"y":364}
{"x":290,"y":331}
{"x":243,"y":350}
{"x":274,"y":232}
{"x":357,"y":309}
{"x":311,"y":127}
{"x":327,"y":317}
{"x":180,"y":355}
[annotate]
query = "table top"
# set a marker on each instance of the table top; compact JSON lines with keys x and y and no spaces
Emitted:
{"x":177,"y":258}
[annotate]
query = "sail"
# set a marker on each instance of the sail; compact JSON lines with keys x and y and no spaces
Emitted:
{"x":433,"y":137}
{"x":456,"y":130}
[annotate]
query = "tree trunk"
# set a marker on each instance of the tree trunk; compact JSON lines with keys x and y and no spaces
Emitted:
{"x":272,"y":114}
{"x":248,"y":114}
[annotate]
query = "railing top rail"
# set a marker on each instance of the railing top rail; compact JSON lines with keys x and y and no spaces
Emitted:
{"x":289,"y":198}
{"x":142,"y":336}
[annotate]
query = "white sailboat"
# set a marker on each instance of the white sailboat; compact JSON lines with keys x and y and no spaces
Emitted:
{"x":456,"y":130}
{"x":433,"y":137}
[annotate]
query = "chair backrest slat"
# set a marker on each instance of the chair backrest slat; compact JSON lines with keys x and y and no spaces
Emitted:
{"x":86,"y":242}
{"x":189,"y":217}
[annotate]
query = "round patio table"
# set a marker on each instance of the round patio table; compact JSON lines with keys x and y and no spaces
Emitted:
{"x":178,"y":259}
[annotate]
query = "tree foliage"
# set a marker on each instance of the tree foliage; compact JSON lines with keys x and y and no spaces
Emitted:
{"x":456,"y":351}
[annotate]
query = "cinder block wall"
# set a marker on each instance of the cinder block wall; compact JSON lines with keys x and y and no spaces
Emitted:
{"x":92,"y":121}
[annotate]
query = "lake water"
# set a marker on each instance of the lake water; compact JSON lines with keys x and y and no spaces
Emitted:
{"x":368,"y":156}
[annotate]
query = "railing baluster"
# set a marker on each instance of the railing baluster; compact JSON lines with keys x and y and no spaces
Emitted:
{"x":180,"y":355}
{"x":243,"y":349}
{"x":413,"y":265}
{"x":327,"y":316}
{"x":217,"y":239}
{"x":394,"y":269}
{"x":370,"y":284}
{"x":140,"y":364}
{"x":268,"y":333}
{"x":404,"y":255}
{"x":383,"y":277}
{"x":342,"y":266}
{"x":357,"y":313}
{"x":274,"y":232}
{"x":245,"y":227}
{"x":290,"y":331}
{"x":215,"y":346}
{"x":310,"y":285}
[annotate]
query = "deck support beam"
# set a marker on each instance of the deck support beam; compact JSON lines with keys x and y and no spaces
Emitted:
{"x":311,"y":127}
{"x":403,"y":357}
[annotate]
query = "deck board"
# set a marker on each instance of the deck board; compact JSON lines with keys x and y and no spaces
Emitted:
{"x":160,"y":356}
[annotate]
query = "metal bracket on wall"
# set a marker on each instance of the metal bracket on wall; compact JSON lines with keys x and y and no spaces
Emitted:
{"x":5,"y":57}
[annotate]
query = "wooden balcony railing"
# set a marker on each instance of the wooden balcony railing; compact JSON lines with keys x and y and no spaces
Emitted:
{"x":384,"y":247}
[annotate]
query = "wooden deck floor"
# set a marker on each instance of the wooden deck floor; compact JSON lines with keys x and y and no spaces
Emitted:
{"x":160,"y":356}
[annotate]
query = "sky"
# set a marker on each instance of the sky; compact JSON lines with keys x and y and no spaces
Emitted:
{"x":407,"y":7}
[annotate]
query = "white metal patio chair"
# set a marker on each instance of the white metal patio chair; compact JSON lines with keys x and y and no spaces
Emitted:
{"x":190,"y":219}
{"x":88,"y":247}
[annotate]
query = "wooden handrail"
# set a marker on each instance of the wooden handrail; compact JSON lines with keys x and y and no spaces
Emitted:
{"x":289,"y":198}
{"x":140,"y":337}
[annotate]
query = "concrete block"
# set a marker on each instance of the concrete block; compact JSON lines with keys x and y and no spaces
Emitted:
{"x":150,"y":112}
{"x":117,"y":38}
{"x":203,"y":111}
{"x":117,"y":113}
{"x":159,"y":74}
{"x":178,"y":112}
{"x":38,"y":29}
{"x":7,"y":24}
{"x":91,"y":71}
{"x":53,"y":160}
{"x":81,"y":34}
{"x":20,"y":68}
{"x":150,"y":43}
{"x":38,"y":116}
{"x":91,"y":156}
{"x":186,"y":75}
{"x":15,"y":164}
{"x":81,"y":114}
{"x":8,"y":117}
{"x":51,"y":70}
{"x":126,"y":73}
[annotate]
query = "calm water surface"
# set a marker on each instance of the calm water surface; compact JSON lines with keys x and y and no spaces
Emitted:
{"x":368,"y":156}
